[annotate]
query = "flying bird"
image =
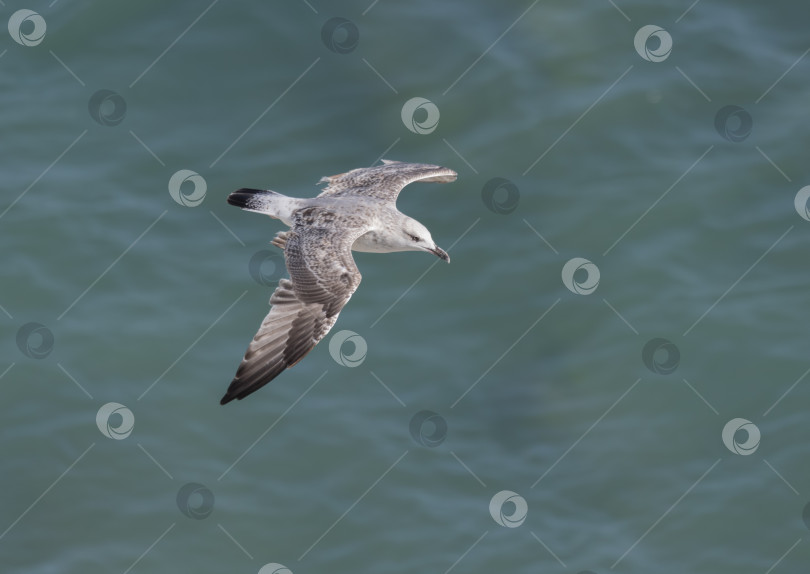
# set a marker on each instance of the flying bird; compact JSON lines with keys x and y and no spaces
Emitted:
{"x":355,"y":212}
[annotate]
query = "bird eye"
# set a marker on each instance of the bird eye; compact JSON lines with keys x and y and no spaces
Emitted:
{"x":413,"y":238}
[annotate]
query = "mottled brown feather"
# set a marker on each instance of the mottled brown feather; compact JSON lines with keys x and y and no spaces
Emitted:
{"x":305,"y":307}
{"x":384,"y":181}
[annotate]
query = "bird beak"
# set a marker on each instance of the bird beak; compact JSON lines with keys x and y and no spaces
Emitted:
{"x":440,"y":253}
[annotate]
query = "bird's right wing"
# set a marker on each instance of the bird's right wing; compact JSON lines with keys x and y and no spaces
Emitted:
{"x":323,"y":277}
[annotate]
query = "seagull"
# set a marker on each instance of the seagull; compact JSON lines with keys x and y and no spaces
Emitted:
{"x":355,"y":212}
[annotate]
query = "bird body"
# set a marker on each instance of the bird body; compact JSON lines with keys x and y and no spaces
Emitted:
{"x":355,"y":212}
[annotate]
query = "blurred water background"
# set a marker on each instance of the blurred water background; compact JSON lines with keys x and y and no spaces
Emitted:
{"x":602,"y":410}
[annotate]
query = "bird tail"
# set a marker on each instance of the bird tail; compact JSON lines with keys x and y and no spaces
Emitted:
{"x":264,"y":201}
{"x":251,"y":199}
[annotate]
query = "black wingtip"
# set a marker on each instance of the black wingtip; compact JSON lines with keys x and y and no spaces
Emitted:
{"x":231,"y":394}
{"x":241,"y":197}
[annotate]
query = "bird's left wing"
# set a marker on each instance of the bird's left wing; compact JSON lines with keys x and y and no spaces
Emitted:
{"x":384,"y":181}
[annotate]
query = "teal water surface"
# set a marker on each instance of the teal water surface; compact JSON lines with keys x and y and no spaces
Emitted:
{"x":610,"y":376}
